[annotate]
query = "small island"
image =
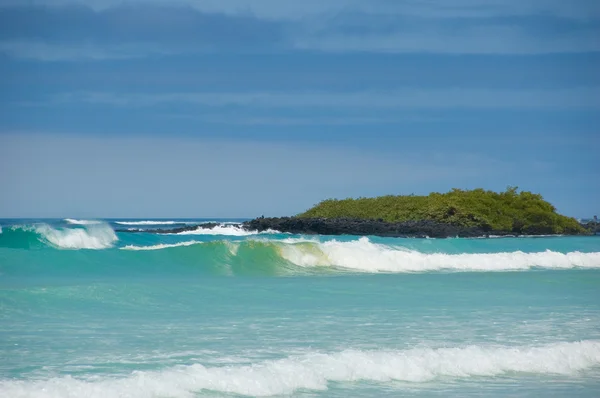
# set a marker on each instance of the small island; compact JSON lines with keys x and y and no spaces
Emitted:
{"x":458,"y":213}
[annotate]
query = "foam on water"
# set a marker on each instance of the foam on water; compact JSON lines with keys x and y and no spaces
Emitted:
{"x":93,"y":236}
{"x":82,"y":222}
{"x":363,"y":255}
{"x":315,"y":370}
{"x":150,"y":222}
{"x":229,"y":230}
{"x":161,"y":246}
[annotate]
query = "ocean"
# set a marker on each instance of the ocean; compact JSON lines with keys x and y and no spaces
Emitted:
{"x":86,"y":311}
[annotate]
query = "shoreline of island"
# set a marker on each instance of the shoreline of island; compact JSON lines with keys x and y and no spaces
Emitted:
{"x":458,"y":213}
{"x":358,"y":227}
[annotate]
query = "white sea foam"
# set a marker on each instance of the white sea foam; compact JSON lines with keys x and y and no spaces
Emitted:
{"x":82,"y":222}
{"x":93,"y":236}
{"x":314,"y":371}
{"x":229,"y":230}
{"x":363,"y":255}
{"x":149,"y":222}
{"x":161,"y":246}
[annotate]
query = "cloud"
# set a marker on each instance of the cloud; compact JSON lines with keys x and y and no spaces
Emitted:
{"x":78,"y":32}
{"x":107,"y":29}
{"x":409,"y":98}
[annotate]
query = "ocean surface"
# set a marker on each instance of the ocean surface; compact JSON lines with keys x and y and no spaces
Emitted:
{"x":86,"y":311}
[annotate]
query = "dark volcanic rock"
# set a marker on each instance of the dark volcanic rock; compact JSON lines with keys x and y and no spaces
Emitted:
{"x":351,"y":226}
{"x":592,"y":226}
{"x":348,"y":226}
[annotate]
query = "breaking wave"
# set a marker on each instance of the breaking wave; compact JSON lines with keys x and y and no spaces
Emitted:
{"x":90,"y":236}
{"x":82,"y":222}
{"x":364,"y":256}
{"x":149,"y":222}
{"x":228,"y":230}
{"x":161,"y":246}
{"x":314,"y":371}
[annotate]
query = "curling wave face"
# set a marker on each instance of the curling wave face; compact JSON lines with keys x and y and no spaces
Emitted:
{"x":202,"y":250}
{"x":365,"y":256}
{"x":91,"y":235}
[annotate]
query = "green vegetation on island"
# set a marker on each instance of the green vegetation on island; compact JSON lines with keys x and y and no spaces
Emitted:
{"x":511,"y":211}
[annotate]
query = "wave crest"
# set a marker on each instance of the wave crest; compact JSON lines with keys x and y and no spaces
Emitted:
{"x":93,"y":236}
{"x":161,"y":246}
{"x":150,"y":222}
{"x":228,"y":230}
{"x":313,"y":371}
{"x":87,"y":236}
{"x":82,"y":222}
{"x":364,"y":256}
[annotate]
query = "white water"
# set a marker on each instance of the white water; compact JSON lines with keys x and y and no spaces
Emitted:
{"x":363,"y":255}
{"x":229,"y":230}
{"x":149,"y":222}
{"x":161,"y":246}
{"x":315,"y":370}
{"x":82,"y":222}
{"x":93,"y":236}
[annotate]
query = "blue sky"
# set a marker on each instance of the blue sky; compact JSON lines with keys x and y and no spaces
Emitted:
{"x":237,"y":108}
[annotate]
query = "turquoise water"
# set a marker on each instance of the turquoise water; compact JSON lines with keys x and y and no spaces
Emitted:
{"x":86,"y":311}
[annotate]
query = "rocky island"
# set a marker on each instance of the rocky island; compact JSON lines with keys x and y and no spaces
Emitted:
{"x":462,"y":213}
{"x":458,"y":213}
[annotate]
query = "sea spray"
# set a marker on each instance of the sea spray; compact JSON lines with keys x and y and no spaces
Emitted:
{"x":92,"y":235}
{"x":81,"y":222}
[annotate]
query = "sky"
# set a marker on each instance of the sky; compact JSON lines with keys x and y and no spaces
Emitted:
{"x":241,"y":108}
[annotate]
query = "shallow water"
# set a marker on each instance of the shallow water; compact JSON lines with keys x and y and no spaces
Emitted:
{"x":85,"y":311}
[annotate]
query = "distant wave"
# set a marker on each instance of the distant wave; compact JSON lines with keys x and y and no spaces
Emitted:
{"x":150,"y":222}
{"x":82,"y":222}
{"x":227,"y":230}
{"x":364,"y":256}
{"x":91,"y":236}
{"x":161,"y":246}
{"x":315,"y":370}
